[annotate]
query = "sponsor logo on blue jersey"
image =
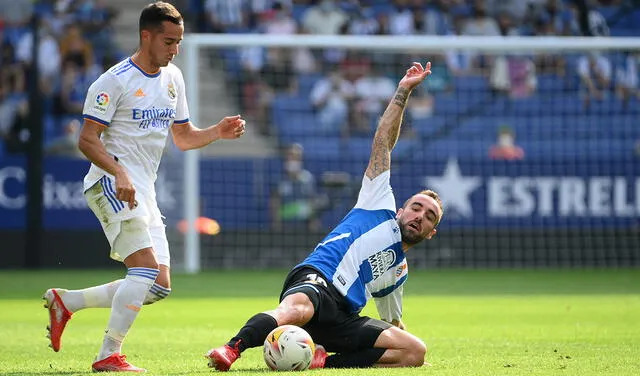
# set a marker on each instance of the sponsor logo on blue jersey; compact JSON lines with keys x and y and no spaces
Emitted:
{"x":154,"y":117}
{"x":381,"y":262}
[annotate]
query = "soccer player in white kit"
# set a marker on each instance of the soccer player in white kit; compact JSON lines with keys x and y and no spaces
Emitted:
{"x":128,"y":113}
{"x":363,"y":257}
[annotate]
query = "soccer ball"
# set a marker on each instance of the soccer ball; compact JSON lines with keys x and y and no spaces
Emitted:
{"x":288,"y":348}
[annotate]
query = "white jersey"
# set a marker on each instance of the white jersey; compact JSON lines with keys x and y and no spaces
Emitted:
{"x":363,"y":257}
{"x":137,"y":109}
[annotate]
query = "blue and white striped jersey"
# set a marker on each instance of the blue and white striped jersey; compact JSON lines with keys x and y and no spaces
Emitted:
{"x":363,"y":257}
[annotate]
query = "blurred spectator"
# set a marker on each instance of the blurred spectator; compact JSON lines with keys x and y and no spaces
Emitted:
{"x":372,"y":92}
{"x":275,"y":76}
{"x":363,"y":22}
{"x":400,"y":21}
{"x":95,"y":18}
{"x":506,"y":148}
{"x":506,"y":24}
{"x":557,"y":16}
{"x":258,"y":9}
{"x":48,"y":57}
{"x":331,"y":98}
{"x":12,"y":85}
{"x":585,"y":21}
{"x":548,"y":63}
{"x":437,"y":18}
{"x":59,"y":19}
{"x":73,"y":86}
{"x":594,"y":71}
{"x":67,"y":144}
{"x":226,"y":15}
{"x":16,"y":15}
{"x":278,"y":21}
{"x":514,"y":76}
{"x":479,"y":22}
{"x":75,"y":48}
{"x":324,"y":18}
{"x":294,"y":200}
{"x":518,"y":9}
{"x":17,"y":134}
{"x":627,"y":78}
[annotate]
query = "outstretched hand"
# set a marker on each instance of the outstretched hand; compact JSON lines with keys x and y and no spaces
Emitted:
{"x":231,"y":127}
{"x":415,"y":75}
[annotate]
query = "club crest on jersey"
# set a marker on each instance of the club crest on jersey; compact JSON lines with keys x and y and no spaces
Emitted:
{"x":172,"y":92}
{"x":401,"y":269}
{"x":381,"y":262}
{"x":102,"y":102}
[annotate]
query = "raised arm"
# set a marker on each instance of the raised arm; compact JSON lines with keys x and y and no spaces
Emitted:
{"x":389,"y":125}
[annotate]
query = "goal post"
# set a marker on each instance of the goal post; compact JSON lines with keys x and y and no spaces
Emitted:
{"x":494,"y":222}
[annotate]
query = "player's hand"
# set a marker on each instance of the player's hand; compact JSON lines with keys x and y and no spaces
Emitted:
{"x":125,"y":191}
{"x":415,"y":75}
{"x":231,"y":127}
{"x":399,"y":324}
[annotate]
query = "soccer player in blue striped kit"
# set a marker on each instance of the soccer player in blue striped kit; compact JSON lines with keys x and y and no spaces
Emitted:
{"x":363,"y":257}
{"x":128,"y":114}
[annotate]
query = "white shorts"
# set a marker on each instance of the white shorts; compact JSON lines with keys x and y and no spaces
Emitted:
{"x":128,"y":230}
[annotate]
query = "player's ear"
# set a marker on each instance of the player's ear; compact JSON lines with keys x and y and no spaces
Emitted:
{"x":432,"y":234}
{"x":145,"y":35}
{"x":399,"y":213}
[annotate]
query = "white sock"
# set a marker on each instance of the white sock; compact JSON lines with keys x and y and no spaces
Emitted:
{"x":92,"y":297}
{"x":127,"y":302}
{"x":102,"y":296}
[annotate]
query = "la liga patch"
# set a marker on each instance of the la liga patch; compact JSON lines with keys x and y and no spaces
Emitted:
{"x":102,"y":102}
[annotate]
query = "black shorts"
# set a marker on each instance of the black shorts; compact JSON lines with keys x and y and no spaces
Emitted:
{"x":333,"y":325}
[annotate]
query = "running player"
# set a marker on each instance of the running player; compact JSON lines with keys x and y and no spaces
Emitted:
{"x":363,"y":257}
{"x":127,"y":116}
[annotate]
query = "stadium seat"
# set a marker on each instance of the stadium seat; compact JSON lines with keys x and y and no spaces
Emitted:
{"x":327,"y":148}
{"x":306,"y":82}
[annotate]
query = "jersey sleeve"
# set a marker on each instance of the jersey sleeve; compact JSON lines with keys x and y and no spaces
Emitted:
{"x":102,"y":99}
{"x":182,"y":109}
{"x":390,"y":306}
{"x":376,"y":194}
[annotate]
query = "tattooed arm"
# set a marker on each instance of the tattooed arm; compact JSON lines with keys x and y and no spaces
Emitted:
{"x":389,"y":125}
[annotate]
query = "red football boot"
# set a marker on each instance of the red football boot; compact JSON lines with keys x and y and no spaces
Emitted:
{"x":319,"y":357}
{"x":222,"y":358}
{"x":59,"y":315}
{"x":115,"y":363}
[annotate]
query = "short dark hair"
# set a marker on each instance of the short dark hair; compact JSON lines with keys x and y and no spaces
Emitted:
{"x":154,"y":14}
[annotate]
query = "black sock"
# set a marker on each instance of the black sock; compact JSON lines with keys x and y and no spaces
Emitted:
{"x":254,"y":332}
{"x":358,"y":359}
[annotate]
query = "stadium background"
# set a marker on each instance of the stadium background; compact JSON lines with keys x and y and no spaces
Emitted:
{"x":568,"y":195}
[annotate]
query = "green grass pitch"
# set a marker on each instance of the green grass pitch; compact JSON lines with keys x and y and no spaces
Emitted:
{"x":475,"y":322}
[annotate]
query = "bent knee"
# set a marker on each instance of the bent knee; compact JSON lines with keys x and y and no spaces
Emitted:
{"x":295,"y":309}
{"x":415,"y":353}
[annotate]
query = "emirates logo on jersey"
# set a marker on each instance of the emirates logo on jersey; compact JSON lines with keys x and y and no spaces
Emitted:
{"x":154,"y":117}
{"x":381,"y":262}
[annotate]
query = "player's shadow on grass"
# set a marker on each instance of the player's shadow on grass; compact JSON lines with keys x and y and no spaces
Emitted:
{"x":47,"y":373}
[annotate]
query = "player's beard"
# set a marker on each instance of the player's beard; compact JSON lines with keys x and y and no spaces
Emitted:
{"x":409,"y":235}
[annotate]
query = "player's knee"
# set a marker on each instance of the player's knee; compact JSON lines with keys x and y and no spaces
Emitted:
{"x":295,"y":309}
{"x":416,"y":353}
{"x":156,"y":293}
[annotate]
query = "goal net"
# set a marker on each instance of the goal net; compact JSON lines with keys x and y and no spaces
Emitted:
{"x":532,"y":144}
